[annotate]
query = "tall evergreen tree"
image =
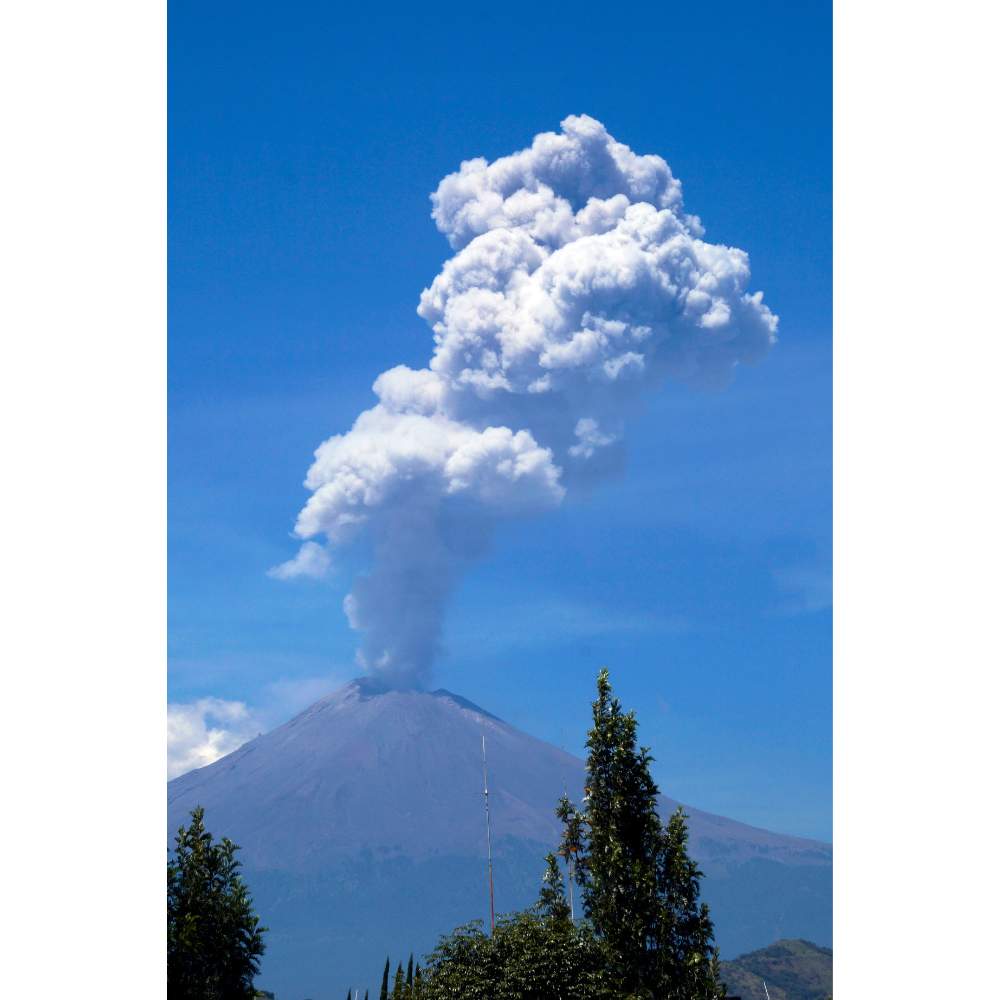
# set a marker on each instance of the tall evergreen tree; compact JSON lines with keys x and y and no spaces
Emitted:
{"x":384,"y":991}
{"x":639,"y":887}
{"x":615,"y":840}
{"x":687,"y":960}
{"x":409,"y":974}
{"x":214,"y":937}
{"x":399,"y":983}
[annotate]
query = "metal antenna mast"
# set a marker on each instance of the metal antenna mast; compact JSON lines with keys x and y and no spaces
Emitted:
{"x":489,"y":837}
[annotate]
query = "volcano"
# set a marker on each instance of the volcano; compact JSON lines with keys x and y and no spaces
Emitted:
{"x":362,"y":832}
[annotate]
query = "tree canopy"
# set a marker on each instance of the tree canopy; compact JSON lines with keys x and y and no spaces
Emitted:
{"x":529,"y":956}
{"x":214,"y":937}
{"x":638,"y":884}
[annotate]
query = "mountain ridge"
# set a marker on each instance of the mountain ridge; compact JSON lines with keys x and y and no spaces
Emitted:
{"x":792,"y":969}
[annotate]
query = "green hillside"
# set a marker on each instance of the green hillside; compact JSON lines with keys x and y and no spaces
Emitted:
{"x":793,"y":970}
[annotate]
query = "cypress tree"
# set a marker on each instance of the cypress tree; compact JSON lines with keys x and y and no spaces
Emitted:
{"x":384,"y":992}
{"x":409,"y":974}
{"x":399,"y":983}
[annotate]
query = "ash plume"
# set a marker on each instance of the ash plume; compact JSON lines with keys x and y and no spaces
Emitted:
{"x":579,"y":284}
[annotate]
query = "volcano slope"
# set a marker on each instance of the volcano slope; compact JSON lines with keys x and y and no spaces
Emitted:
{"x":362,"y":832}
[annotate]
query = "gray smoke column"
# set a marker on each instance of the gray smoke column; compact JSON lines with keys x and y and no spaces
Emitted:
{"x":579,"y":283}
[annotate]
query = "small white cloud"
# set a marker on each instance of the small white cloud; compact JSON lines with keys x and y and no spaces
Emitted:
{"x":312,"y":560}
{"x":590,"y":437}
{"x":202,"y":731}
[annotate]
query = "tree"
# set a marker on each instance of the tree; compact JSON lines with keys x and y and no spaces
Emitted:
{"x":214,"y":937}
{"x":399,"y":984}
{"x":639,"y":887}
{"x":528,"y":956}
{"x":404,"y":984}
{"x":384,"y":991}
{"x":552,"y":903}
{"x":644,"y":936}
{"x":615,"y":840}
{"x":687,"y":961}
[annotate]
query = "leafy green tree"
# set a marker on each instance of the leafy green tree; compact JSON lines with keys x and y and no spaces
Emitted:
{"x":687,"y":958}
{"x":639,"y":887}
{"x":462,"y":964}
{"x":214,"y":937}
{"x":552,"y":902}
{"x":528,"y":956}
{"x":615,"y":840}
{"x":571,"y":847}
{"x":687,"y":961}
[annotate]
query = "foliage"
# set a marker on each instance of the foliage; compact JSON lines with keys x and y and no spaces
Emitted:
{"x":383,"y":993}
{"x":399,"y":984}
{"x":644,"y":935}
{"x":687,"y":961}
{"x":552,"y":898}
{"x":529,"y":957}
{"x":404,"y":985}
{"x":639,"y":887}
{"x":214,"y":938}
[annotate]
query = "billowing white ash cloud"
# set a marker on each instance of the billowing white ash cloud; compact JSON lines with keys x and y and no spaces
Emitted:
{"x":579,"y":284}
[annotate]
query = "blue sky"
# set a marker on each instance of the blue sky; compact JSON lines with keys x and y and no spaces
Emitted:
{"x":303,"y":146}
